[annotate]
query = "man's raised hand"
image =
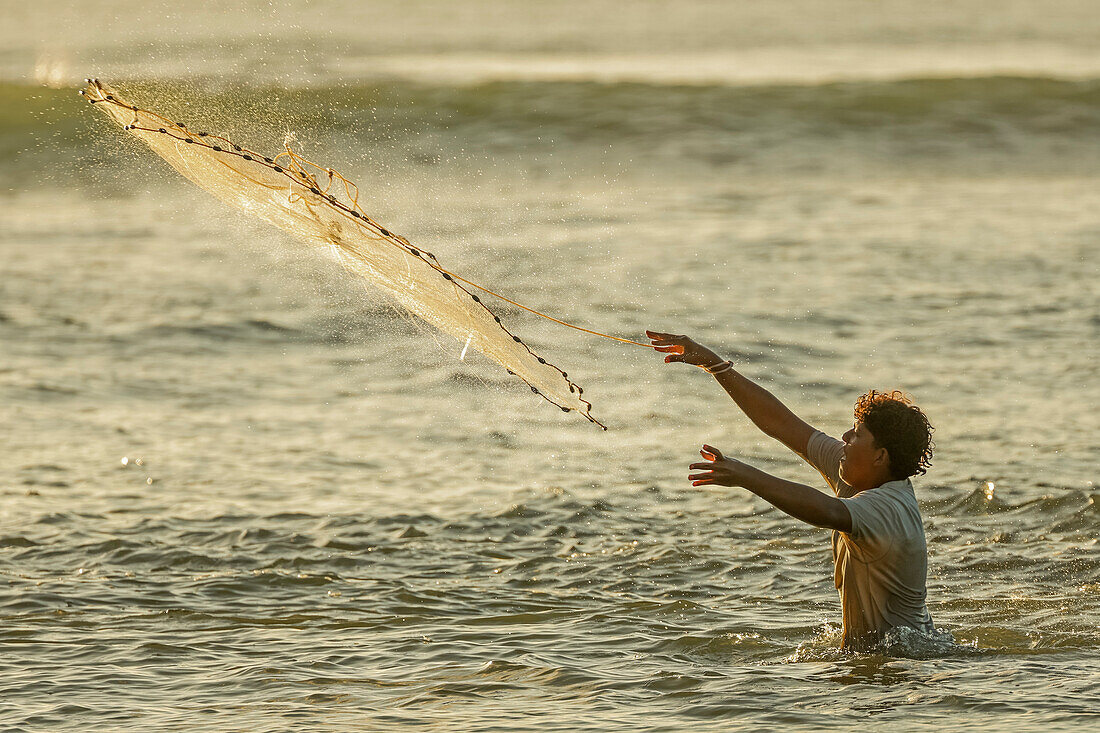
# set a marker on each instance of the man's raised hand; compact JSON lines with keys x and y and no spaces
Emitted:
{"x":683,"y":349}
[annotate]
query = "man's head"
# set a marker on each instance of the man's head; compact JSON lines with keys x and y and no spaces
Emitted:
{"x":891,"y":440}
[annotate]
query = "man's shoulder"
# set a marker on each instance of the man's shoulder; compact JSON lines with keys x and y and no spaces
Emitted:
{"x":892,"y":503}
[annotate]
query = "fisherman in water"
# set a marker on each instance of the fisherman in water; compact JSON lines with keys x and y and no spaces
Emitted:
{"x":879,"y":551}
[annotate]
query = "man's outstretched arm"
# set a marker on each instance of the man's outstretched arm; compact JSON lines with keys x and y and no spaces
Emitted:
{"x":762,"y":407}
{"x":800,"y":501}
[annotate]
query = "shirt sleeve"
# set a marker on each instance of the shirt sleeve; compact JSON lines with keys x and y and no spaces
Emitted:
{"x":875,"y":521}
{"x":824,"y":454}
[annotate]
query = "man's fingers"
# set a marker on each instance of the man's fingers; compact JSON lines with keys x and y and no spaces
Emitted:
{"x":665,"y":339}
{"x":673,"y":357}
{"x":701,"y":477}
{"x":701,"y":467}
{"x":712,"y":451}
{"x":670,"y":349}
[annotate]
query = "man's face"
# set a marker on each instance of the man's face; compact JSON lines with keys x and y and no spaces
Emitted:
{"x":862,"y":459}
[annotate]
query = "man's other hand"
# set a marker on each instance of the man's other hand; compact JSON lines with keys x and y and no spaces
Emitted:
{"x":720,"y":470}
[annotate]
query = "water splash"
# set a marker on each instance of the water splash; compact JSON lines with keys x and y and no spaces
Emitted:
{"x":903,"y":641}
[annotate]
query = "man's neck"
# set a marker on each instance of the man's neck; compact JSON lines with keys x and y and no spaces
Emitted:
{"x":874,"y":483}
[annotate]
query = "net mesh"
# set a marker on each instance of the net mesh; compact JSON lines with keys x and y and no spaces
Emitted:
{"x":321,"y":207}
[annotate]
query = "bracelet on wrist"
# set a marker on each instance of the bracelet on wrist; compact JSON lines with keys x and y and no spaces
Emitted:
{"x":722,"y":366}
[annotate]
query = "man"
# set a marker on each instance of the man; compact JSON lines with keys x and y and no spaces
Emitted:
{"x":879,"y":550}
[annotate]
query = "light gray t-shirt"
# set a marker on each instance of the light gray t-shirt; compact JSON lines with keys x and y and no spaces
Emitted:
{"x":881,"y":566}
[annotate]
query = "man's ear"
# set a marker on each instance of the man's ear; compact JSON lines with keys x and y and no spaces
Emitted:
{"x":882,"y":458}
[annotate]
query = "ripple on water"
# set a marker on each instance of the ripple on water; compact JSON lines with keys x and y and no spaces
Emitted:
{"x":423,"y":612}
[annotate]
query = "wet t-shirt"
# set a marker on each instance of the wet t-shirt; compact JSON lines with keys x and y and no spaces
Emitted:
{"x":881,"y":566}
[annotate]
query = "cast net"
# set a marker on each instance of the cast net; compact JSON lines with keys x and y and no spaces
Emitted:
{"x":321,"y":207}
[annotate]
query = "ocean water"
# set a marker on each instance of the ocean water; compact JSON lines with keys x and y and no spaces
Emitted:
{"x":241,"y":491}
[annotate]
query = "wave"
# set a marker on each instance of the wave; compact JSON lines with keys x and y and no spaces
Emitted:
{"x":981,"y":112}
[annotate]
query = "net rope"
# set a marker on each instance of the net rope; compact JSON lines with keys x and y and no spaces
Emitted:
{"x":296,"y":195}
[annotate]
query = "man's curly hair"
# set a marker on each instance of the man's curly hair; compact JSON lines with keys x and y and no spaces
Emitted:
{"x":901,"y":428}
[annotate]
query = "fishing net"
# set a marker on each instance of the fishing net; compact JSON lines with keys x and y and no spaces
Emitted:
{"x":321,"y":207}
